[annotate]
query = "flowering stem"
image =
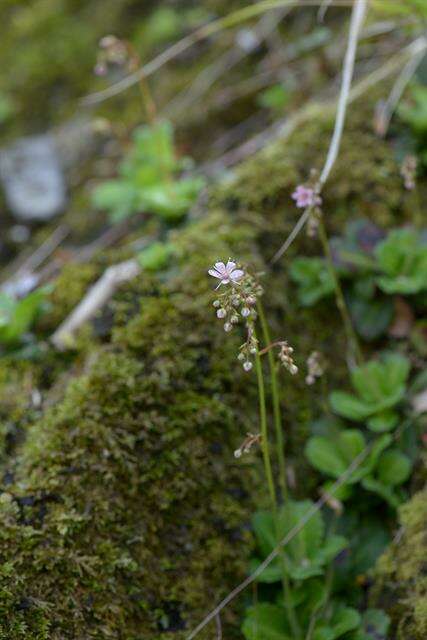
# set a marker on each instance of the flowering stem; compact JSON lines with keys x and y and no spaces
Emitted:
{"x":339,"y":296}
{"x":276,"y":405}
{"x":272,"y":491}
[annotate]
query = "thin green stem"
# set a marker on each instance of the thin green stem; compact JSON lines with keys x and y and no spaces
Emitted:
{"x":277,"y":415}
{"x":272,"y":491}
{"x":339,"y":297}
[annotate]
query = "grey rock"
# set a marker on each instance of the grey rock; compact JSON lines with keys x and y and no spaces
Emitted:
{"x":32,"y":178}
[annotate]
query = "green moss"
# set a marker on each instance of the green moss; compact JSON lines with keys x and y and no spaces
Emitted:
{"x":401,"y":581}
{"x":127,"y":516}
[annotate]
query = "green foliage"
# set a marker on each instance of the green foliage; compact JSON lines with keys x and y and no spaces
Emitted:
{"x":401,"y":7}
{"x":402,"y":259}
{"x":275,"y":97}
{"x":149,"y":179}
{"x":307,"y":553}
{"x":416,"y":114}
{"x":379,"y":386}
{"x":156,"y":256}
{"x":313,"y":278}
{"x":371,"y":268}
{"x":18,"y":316}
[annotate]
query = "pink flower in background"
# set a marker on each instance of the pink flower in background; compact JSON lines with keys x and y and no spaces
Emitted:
{"x":306,"y":197}
{"x":226,"y":273}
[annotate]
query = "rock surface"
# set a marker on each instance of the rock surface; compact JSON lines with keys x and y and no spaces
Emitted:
{"x":32,"y":178}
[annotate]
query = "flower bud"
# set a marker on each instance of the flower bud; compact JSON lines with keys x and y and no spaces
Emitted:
{"x":221,"y":313}
{"x":228,"y":327}
{"x":216,"y":303}
{"x":245,"y":312}
{"x":247,"y":366}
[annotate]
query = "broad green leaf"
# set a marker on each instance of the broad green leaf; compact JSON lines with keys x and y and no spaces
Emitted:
{"x":313,"y":279}
{"x":393,"y":468}
{"x":333,"y":455}
{"x":348,"y":406}
{"x":385,"y":421}
{"x":402,"y":258}
{"x":371,"y":318}
{"x":265,"y":621}
{"x":155,"y":257}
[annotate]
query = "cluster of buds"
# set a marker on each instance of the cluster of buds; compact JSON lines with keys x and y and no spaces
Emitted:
{"x":285,"y":357}
{"x":315,"y":367}
{"x":112,"y":52}
{"x":247,"y":444}
{"x":408,"y":171}
{"x":237,"y":304}
{"x":307,"y":196}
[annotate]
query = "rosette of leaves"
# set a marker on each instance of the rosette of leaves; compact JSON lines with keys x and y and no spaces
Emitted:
{"x":382,"y":470}
{"x":379,"y":386}
{"x":318,"y":618}
{"x":18,"y":316}
{"x":402,"y":261}
{"x":307,"y":553}
{"x":150,"y":179}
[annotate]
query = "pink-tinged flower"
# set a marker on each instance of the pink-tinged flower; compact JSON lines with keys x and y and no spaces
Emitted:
{"x":100,"y":69}
{"x":226,"y":273}
{"x":306,"y":197}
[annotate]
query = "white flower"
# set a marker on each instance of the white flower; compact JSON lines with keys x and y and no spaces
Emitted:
{"x":226,"y":273}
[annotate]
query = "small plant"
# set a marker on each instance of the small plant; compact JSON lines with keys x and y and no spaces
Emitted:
{"x":402,"y":261}
{"x":310,"y":551}
{"x":372,"y":268}
{"x":379,"y":386}
{"x":18,"y":316}
{"x":150,"y":179}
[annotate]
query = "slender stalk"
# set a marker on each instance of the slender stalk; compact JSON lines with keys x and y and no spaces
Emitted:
{"x":272,"y":491}
{"x":339,"y":297}
{"x":277,"y":416}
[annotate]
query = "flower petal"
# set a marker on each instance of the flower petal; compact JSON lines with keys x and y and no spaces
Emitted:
{"x":220,"y":267}
{"x":214,"y":273}
{"x":236,"y":274}
{"x":230,"y":265}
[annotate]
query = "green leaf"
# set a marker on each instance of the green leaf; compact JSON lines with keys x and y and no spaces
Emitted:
{"x":348,"y":406}
{"x":275,"y":97}
{"x":266,"y":621}
{"x":306,"y":553}
{"x":394,"y":468}
{"x":371,"y":318}
{"x":402,"y":258}
{"x":333,"y":455}
{"x":313,"y":278}
{"x":385,"y":421}
{"x":155,"y":257}
{"x":380,"y":384}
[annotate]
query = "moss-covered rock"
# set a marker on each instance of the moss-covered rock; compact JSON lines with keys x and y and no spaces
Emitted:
{"x":402,"y":573}
{"x":126,"y":517}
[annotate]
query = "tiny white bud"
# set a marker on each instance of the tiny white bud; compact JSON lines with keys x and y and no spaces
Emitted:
{"x":228,"y":327}
{"x":241,"y":356}
{"x":216,"y":303}
{"x":238,"y":453}
{"x":251,"y":300}
{"x":247,"y":365}
{"x":234,"y":319}
{"x":253,"y":350}
{"x":245,"y":312}
{"x":221,"y":313}
{"x":293,"y":369}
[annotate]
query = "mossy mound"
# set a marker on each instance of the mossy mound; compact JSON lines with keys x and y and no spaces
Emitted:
{"x":126,"y":517}
{"x":401,"y":573}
